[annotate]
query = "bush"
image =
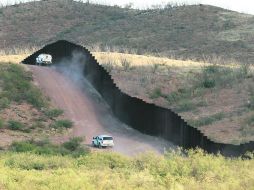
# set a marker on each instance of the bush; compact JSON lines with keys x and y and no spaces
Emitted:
{"x":54,"y":113}
{"x":34,"y":96}
{"x":209,"y":83}
{"x":17,"y":87}
{"x":125,"y":64}
{"x":207,"y":120}
{"x":211,"y":69}
{"x":1,"y":123}
{"x":62,"y":124}
{"x":24,"y":146}
{"x":185,"y":105}
{"x":72,"y":147}
{"x":180,"y":94}
{"x":173,"y":97}
{"x":156,"y":93}
{"x":15,"y":125}
{"x":73,"y":144}
{"x":4,"y":103}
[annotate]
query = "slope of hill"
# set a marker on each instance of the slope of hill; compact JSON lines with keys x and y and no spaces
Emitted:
{"x":25,"y":112}
{"x":224,"y":112}
{"x":198,"y":31}
{"x":217,"y":99}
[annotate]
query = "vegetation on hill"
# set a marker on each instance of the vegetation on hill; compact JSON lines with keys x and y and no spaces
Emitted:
{"x":105,"y":170}
{"x":216,"y":98}
{"x":197,"y":31}
{"x":24,"y":110}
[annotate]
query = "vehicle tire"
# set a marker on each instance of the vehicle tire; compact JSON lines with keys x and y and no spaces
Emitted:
{"x":99,"y":145}
{"x":93,"y":144}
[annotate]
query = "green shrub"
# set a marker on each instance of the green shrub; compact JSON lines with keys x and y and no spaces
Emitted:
{"x":209,"y":83}
{"x":207,"y":120}
{"x":73,"y":144}
{"x":34,"y":96}
{"x":15,"y":125}
{"x":211,"y":69}
{"x":245,"y":70}
{"x":179,"y":95}
{"x":185,"y":105}
{"x":37,"y":124}
{"x":17,"y":86}
{"x":106,"y":159}
{"x":156,"y":93}
{"x":1,"y":123}
{"x":4,"y":103}
{"x":173,"y":97}
{"x":23,"y":146}
{"x":62,"y":124}
{"x":72,"y":147}
{"x":209,"y":76}
{"x":54,"y":113}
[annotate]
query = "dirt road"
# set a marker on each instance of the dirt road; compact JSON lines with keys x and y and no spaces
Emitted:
{"x":90,"y":114}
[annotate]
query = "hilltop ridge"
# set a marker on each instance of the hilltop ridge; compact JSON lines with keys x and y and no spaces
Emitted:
{"x":193,"y":31}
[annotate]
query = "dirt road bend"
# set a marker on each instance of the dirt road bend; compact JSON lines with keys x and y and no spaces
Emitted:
{"x":90,"y":114}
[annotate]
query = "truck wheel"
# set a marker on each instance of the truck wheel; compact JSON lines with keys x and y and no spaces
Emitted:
{"x":100,"y":145}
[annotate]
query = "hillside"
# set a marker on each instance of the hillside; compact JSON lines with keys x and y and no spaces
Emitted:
{"x":217,"y":99}
{"x":198,"y":31}
{"x":223,"y":112}
{"x":25,"y":113}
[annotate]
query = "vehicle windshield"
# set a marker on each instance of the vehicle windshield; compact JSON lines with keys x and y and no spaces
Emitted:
{"x":107,"y":138}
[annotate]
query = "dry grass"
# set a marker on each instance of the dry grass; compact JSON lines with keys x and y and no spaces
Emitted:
{"x":12,"y":58}
{"x":144,"y":60}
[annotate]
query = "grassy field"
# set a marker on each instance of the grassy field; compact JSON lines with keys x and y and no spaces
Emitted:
{"x":113,"y":171}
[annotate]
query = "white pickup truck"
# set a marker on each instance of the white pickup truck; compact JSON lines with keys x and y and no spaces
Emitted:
{"x":44,"y":59}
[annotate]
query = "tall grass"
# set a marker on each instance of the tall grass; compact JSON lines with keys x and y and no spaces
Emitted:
{"x":18,"y":50}
{"x":106,"y":170}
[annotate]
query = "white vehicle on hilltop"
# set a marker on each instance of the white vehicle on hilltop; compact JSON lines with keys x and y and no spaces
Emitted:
{"x":103,"y":141}
{"x":44,"y":59}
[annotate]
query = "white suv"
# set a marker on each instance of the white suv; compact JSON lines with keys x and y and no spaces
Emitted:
{"x":44,"y":59}
{"x":103,"y":141}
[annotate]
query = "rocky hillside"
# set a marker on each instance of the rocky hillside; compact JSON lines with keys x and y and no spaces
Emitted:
{"x":198,"y":31}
